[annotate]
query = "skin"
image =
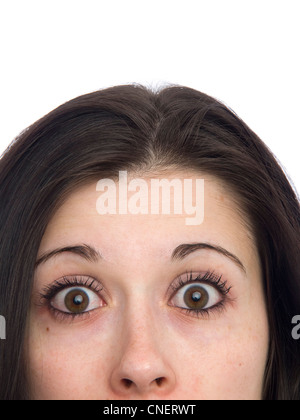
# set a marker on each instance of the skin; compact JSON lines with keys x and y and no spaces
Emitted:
{"x":138,"y":334}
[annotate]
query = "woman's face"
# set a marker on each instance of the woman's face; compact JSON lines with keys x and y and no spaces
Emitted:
{"x":146,"y":306}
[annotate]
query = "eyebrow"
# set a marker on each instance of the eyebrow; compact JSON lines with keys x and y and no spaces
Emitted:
{"x":184,"y":250}
{"x":85,"y":251}
{"x":180,"y":252}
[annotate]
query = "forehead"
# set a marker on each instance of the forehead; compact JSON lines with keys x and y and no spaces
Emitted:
{"x":78,"y":219}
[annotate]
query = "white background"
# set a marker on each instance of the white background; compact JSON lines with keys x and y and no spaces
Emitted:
{"x":243,"y":52}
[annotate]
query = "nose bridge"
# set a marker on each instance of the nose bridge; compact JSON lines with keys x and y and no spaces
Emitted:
{"x":140,"y":311}
{"x":141,"y":329}
{"x":142,"y":364}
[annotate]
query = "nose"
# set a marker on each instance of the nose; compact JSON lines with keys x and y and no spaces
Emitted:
{"x":143,"y":369}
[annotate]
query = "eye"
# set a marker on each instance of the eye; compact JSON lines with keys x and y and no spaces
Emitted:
{"x":197,"y":297}
{"x":76,"y":300}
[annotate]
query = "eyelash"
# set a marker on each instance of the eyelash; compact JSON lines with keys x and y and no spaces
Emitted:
{"x":68,"y":281}
{"x":209,"y":278}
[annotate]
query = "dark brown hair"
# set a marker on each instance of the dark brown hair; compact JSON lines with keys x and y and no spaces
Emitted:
{"x":136,"y":129}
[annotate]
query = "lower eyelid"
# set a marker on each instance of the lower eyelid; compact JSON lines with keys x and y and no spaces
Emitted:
{"x":66,"y":316}
{"x":204,"y":313}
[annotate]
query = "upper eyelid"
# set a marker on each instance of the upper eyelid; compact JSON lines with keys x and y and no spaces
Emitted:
{"x":206,"y":277}
{"x":66,"y":282}
{"x":196,"y":277}
{"x":83,"y":281}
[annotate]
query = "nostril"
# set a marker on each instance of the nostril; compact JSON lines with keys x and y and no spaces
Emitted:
{"x":127,"y":383}
{"x":159,"y":381}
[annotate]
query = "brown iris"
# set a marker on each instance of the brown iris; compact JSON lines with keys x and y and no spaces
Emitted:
{"x":196,"y":297}
{"x":76,"y":301}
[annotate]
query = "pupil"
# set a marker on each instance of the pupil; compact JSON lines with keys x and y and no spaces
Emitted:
{"x":196,"y":296}
{"x":78,"y":300}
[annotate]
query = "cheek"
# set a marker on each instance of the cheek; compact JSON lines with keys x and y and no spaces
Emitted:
{"x":243,"y":365}
{"x":229,"y":368}
{"x":68,"y":362}
{"x":223,"y":358}
{"x":69,"y":373}
{"x":245,"y":353}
